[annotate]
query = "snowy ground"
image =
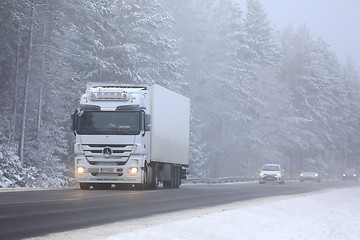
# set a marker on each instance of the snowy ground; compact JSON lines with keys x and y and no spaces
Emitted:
{"x":330,"y":214}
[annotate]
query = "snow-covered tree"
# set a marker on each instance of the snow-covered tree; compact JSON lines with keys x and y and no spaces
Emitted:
{"x":261,"y":48}
{"x":258,"y":94}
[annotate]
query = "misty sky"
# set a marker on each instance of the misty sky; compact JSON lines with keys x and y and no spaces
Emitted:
{"x":335,"y":21}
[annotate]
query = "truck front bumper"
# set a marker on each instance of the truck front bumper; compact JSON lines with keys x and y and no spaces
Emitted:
{"x":128,"y":173}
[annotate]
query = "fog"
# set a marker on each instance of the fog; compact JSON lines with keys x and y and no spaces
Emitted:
{"x":268,"y":80}
{"x":333,"y":20}
{"x":273,"y":101}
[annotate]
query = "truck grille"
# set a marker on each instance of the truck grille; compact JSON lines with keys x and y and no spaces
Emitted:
{"x":107,"y":154}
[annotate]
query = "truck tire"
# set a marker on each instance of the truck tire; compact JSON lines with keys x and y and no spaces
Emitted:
{"x":145,"y":184}
{"x":154,"y":181}
{"x":167,"y":184}
{"x":84,"y":186}
{"x":175,"y":178}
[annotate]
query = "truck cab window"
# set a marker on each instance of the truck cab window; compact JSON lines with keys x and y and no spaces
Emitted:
{"x":109,"y":123}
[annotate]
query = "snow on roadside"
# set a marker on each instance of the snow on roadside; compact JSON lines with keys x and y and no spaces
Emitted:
{"x":331,"y":214}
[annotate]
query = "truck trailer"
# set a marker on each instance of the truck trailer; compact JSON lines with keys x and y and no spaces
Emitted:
{"x":131,"y":136}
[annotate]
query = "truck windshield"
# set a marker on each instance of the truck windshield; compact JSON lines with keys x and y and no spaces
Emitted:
{"x":108,"y":123}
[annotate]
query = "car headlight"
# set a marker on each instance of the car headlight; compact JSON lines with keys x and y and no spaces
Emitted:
{"x":133,"y":171}
{"x":354,"y":175}
{"x":278,"y":174}
{"x":301,"y":174}
{"x":261,"y":174}
{"x":344,"y":174}
{"x":316,"y":174}
{"x":80,"y":170}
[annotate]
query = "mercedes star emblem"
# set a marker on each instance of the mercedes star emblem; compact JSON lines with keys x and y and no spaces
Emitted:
{"x":107,"y":151}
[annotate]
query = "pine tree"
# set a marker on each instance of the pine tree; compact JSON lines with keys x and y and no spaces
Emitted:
{"x":261,"y":48}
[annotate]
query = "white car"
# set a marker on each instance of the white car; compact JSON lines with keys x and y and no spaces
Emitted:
{"x":272,"y":173}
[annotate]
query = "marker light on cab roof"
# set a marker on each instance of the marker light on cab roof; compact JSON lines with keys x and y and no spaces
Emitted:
{"x":109,"y":95}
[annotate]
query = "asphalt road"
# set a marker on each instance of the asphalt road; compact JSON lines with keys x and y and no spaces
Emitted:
{"x":36,"y":213}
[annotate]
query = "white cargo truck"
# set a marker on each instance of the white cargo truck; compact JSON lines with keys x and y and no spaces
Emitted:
{"x":131,"y":136}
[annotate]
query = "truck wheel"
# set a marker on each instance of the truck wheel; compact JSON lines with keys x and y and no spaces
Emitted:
{"x":167,"y":184}
{"x":155,"y":184}
{"x":84,"y":186}
{"x":142,"y":186}
{"x":177,"y":177}
{"x":154,"y":178}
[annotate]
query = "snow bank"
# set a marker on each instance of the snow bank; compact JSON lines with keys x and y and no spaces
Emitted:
{"x":331,"y":214}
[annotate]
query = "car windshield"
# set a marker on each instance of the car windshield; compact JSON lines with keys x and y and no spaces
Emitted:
{"x":350,"y":171}
{"x":309,"y":170}
{"x":271,"y":168}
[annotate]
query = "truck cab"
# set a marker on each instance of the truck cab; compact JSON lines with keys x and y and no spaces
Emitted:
{"x":113,"y":143}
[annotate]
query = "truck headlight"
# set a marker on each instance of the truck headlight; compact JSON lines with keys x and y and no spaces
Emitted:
{"x":261,"y":174}
{"x":316,"y":175}
{"x":80,"y":170}
{"x":301,"y":174}
{"x":133,"y":171}
{"x":278,"y":174}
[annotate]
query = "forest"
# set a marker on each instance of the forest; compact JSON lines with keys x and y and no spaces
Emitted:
{"x":258,"y":94}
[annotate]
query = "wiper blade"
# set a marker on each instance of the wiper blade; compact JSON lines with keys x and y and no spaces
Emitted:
{"x":123,"y":131}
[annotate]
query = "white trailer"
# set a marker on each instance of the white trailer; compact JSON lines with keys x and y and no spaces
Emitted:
{"x":131,"y":135}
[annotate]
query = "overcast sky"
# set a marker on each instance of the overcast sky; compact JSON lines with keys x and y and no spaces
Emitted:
{"x":335,"y":21}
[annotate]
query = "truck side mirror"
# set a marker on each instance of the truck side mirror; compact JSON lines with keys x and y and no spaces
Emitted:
{"x":72,"y":122}
{"x":147,"y":123}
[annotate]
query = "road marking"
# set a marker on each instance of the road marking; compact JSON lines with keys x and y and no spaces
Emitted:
{"x":38,"y":193}
{"x":70,"y":199}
